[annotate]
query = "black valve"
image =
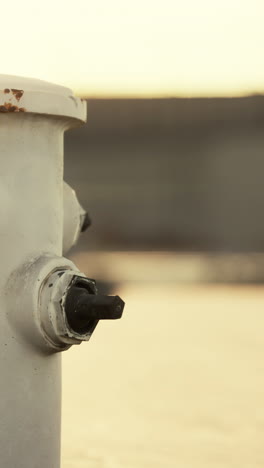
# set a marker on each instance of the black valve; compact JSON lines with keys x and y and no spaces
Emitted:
{"x":84,"y":310}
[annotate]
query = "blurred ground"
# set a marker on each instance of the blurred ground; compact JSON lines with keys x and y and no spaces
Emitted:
{"x":177,"y":382}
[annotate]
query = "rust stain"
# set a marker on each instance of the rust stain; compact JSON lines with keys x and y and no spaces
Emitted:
{"x":7,"y":90}
{"x":18,"y":93}
{"x":8,"y":107}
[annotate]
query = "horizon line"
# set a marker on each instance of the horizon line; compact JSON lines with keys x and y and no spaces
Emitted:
{"x":130,"y":96}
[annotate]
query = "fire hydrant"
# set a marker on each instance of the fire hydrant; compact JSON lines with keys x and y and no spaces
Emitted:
{"x":47,"y":304}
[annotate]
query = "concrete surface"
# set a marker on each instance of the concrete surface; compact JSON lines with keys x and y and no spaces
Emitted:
{"x":178,"y":382}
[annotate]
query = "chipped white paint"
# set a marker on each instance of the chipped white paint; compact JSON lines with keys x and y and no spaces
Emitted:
{"x":40,"y":97}
{"x":31,"y":240}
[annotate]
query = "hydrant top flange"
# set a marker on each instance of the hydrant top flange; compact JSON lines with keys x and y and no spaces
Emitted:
{"x":20,"y":94}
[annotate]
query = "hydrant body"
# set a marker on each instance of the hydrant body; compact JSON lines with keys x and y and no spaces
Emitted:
{"x":33,"y":118}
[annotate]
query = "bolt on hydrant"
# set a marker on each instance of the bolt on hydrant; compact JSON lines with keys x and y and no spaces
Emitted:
{"x":47,"y":304}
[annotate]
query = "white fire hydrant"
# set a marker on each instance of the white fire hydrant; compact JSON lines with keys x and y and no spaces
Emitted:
{"x":46,"y":303}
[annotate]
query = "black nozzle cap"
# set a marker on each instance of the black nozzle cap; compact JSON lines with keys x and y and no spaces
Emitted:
{"x":82,"y":308}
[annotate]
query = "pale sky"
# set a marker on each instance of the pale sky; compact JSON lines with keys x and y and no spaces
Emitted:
{"x":137,"y":47}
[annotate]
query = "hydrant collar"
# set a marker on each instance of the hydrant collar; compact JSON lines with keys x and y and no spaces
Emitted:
{"x":20,"y":94}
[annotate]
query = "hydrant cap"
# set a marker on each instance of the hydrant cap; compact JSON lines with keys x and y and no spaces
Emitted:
{"x":20,"y":94}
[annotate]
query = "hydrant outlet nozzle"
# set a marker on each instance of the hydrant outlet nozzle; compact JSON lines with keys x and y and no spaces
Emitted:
{"x":82,"y":307}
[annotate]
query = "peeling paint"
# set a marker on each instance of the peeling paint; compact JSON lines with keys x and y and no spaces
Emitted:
{"x":30,"y":95}
{"x":8,"y":107}
{"x":18,"y":93}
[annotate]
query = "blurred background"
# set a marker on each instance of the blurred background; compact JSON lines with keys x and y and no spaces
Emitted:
{"x":170,"y":168}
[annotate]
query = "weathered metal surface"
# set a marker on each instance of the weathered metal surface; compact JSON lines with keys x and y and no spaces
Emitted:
{"x":20,"y":94}
{"x":31,"y":239}
{"x":8,"y":107}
